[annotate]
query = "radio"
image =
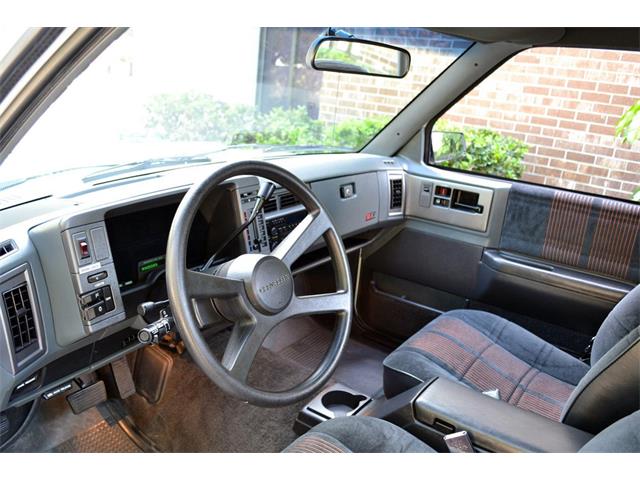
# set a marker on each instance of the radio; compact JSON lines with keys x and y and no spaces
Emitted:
{"x":278,"y":227}
{"x":273,"y":224}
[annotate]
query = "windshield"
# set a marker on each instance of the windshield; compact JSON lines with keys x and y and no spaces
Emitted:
{"x":212,"y":95}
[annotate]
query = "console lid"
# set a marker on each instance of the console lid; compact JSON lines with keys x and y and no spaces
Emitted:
{"x":494,"y":425}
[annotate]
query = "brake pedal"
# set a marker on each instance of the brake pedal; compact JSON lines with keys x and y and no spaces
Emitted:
{"x":119,"y":379}
{"x":88,"y":397}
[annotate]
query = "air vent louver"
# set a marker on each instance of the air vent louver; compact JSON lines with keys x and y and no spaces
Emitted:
{"x":6,"y":247}
{"x":22,"y":325}
{"x":271,"y":205}
{"x":395,"y":193}
{"x":288,"y":200}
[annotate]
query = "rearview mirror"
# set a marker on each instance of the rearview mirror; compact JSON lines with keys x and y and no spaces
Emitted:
{"x":338,"y":51}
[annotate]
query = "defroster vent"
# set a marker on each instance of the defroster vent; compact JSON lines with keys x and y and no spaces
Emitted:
{"x":22,"y":324}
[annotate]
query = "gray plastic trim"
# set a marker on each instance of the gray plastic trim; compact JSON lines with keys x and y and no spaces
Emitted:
{"x":539,"y":271}
{"x":495,"y":425}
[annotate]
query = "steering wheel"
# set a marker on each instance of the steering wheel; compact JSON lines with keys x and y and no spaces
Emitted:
{"x":256,"y":291}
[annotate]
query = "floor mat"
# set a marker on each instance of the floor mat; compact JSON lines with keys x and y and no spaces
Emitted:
{"x":102,"y":438}
{"x":194,"y":415}
{"x":217,"y":423}
{"x":359,"y":368}
{"x":53,"y":424}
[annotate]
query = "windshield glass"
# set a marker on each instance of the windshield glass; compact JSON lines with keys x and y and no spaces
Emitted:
{"x":212,"y":95}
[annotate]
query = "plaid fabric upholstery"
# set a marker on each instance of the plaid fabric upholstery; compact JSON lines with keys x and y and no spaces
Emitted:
{"x":316,"y":443}
{"x":359,"y":434}
{"x":489,"y":354}
{"x":599,"y":235}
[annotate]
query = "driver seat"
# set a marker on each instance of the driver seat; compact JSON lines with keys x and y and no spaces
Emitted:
{"x":372,"y":435}
{"x":492,"y":355}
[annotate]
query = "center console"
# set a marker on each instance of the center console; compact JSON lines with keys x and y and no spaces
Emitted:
{"x":441,"y":407}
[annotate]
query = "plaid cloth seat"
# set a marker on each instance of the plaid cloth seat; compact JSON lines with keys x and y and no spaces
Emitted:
{"x":487,"y":353}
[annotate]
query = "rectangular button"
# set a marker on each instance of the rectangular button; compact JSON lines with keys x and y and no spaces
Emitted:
{"x":108,"y":299}
{"x":91,"y":298}
{"x":95,"y":310}
{"x":100,"y":246}
{"x":96,"y":277}
{"x":443,"y":191}
{"x":81,"y":247}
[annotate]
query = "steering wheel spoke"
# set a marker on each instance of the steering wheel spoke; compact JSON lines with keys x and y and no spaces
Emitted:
{"x":207,"y":285}
{"x":310,"y":229}
{"x":246,"y":339}
{"x":336,"y":302}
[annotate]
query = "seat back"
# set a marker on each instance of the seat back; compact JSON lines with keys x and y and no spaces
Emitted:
{"x":611,"y":388}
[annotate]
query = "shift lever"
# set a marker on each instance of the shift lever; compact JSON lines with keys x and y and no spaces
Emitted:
{"x":264,"y":194}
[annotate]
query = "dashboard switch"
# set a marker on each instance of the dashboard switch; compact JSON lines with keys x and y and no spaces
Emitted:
{"x":83,"y":247}
{"x":91,"y":298}
{"x":96,"y":277}
{"x":108,"y":299}
{"x":347,"y":191}
{"x":96,"y":310}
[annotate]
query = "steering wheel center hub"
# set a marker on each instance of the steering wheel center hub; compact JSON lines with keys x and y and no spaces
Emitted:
{"x":268,"y":281}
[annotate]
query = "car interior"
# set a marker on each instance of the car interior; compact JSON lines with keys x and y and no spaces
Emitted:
{"x":393,"y":295}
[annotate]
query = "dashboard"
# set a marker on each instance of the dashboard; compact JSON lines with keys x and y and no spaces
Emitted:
{"x":77,"y":266}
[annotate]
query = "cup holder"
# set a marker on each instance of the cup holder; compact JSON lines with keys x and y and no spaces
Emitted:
{"x":341,"y":403}
{"x":334,"y":401}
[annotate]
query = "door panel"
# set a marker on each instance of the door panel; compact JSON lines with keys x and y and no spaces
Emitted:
{"x":559,"y":263}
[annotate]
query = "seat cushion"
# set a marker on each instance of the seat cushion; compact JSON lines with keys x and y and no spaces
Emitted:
{"x":487,"y":352}
{"x":357,"y":435}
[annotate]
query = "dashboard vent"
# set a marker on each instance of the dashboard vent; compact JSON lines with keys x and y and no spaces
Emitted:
{"x":271,"y":205}
{"x":22,"y":324}
{"x":6,"y":248}
{"x":288,"y":200}
{"x":395,"y":185}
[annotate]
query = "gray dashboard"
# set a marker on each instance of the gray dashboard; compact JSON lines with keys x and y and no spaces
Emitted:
{"x":63,"y":254}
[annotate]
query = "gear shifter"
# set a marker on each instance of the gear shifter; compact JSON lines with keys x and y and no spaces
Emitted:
{"x":264,"y":194}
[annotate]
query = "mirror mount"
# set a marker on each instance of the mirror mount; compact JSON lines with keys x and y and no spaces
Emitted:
{"x":341,"y":52}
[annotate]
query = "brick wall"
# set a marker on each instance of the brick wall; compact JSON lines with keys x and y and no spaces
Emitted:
{"x":564,"y":103}
{"x":344,"y":97}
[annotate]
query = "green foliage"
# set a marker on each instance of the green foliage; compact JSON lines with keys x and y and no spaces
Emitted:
{"x":486,"y":151}
{"x":282,"y":127}
{"x":354,"y":133}
{"x":195,"y":117}
{"x":199,"y":117}
{"x":628,"y":127}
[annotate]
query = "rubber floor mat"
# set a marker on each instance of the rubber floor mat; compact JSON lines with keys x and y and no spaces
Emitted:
{"x":103,"y":438}
{"x":359,"y":368}
{"x":309,"y":350}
